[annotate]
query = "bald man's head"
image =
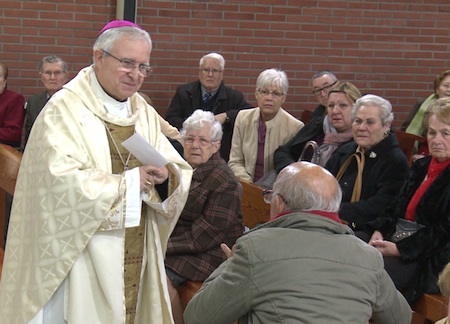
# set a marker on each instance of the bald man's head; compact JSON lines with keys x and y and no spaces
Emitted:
{"x":306,"y":186}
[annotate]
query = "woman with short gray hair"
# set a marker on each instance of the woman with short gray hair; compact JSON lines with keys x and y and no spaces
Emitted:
{"x":259,"y":131}
{"x":370,"y":169}
{"x":212,"y":213}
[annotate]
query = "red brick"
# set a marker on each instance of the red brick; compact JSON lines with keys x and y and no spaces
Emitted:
{"x":394,"y":48}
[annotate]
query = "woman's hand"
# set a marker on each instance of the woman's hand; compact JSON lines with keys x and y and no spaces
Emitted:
{"x":376,"y":236}
{"x":385,"y":247}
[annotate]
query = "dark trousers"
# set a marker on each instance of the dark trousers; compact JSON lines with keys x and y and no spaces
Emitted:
{"x":402,"y":273}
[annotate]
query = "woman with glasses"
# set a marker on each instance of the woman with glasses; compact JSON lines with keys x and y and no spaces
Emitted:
{"x":414,"y":262}
{"x":212,"y":214}
{"x":258,"y":132}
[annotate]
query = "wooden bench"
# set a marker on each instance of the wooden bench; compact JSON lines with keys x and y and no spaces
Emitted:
{"x":254,"y":209}
{"x":9,"y":168}
{"x":429,"y":309}
{"x":187,"y":290}
{"x":407,"y":142}
{"x":306,"y":116}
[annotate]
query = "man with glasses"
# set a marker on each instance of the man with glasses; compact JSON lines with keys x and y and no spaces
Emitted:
{"x":54,"y":75}
{"x":89,"y":226}
{"x":315,"y":129}
{"x":304,"y":266}
{"x":209,"y":93}
{"x":322,"y":82}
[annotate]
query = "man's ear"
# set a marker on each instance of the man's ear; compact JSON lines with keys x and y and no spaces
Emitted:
{"x":98,"y":56}
{"x":280,"y":205}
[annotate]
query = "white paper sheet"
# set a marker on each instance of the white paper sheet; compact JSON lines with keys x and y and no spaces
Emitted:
{"x":144,"y":151}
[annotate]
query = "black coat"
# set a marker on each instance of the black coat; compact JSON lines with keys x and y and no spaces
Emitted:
{"x":34,"y":106}
{"x":384,"y":172}
{"x":290,"y":152}
{"x":188,"y":98}
{"x":430,"y":246}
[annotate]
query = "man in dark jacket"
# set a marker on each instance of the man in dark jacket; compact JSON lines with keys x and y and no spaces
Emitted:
{"x":53,"y":71}
{"x":209,"y":93}
{"x":322,"y":82}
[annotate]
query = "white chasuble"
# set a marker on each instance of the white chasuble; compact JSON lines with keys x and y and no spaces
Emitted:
{"x":69,"y":215}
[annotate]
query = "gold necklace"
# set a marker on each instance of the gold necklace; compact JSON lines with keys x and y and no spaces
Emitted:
{"x":125,"y":163}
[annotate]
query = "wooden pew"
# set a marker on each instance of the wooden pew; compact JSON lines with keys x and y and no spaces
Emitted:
{"x":9,"y":168}
{"x":429,"y":309}
{"x":306,"y":116}
{"x":406,"y":142}
{"x":254,"y":209}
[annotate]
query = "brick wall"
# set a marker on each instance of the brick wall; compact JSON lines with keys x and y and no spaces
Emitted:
{"x":390,"y":48}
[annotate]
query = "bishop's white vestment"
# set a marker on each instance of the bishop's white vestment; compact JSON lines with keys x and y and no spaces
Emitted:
{"x":69,"y":213}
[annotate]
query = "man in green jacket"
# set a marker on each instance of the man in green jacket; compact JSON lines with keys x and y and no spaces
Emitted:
{"x":304,"y":266}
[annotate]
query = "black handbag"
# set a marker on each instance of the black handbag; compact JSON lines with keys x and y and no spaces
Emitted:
{"x":404,"y":229}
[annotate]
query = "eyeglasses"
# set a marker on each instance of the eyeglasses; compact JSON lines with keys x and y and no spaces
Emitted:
{"x":275,"y":94}
{"x":215,"y":72}
{"x":201,"y":140}
{"x":57,"y":74}
{"x":129,"y":66}
{"x":268,"y":194}
{"x":326,"y":89}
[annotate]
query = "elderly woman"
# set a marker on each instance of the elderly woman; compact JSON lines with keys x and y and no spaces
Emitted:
{"x":212,"y":214}
{"x":413,"y":123}
{"x":415,"y":261}
{"x":328,"y":131}
{"x":11,"y":111}
{"x":259,"y":131}
{"x":371,"y":169}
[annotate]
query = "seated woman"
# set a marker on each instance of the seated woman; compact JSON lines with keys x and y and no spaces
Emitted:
{"x":259,"y":131}
{"x":415,"y":262}
{"x":371,"y":169}
{"x":212,"y":214}
{"x":328,"y":131}
{"x":413,"y":123}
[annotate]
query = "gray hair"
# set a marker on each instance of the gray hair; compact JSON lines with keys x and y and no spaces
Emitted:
{"x":300,"y":195}
{"x":272,"y":77}
{"x":107,"y":39}
{"x":215,"y":56}
{"x":384,"y":105}
{"x":198,"y":120}
{"x":325,"y":72}
{"x":52,"y":59}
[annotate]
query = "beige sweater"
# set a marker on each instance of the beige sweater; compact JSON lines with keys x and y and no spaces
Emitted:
{"x":244,"y":145}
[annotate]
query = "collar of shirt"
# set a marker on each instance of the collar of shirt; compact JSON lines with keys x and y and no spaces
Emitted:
{"x":112,"y":106}
{"x":212,"y":93}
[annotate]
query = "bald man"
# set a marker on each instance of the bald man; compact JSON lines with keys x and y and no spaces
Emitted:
{"x":303,"y":266}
